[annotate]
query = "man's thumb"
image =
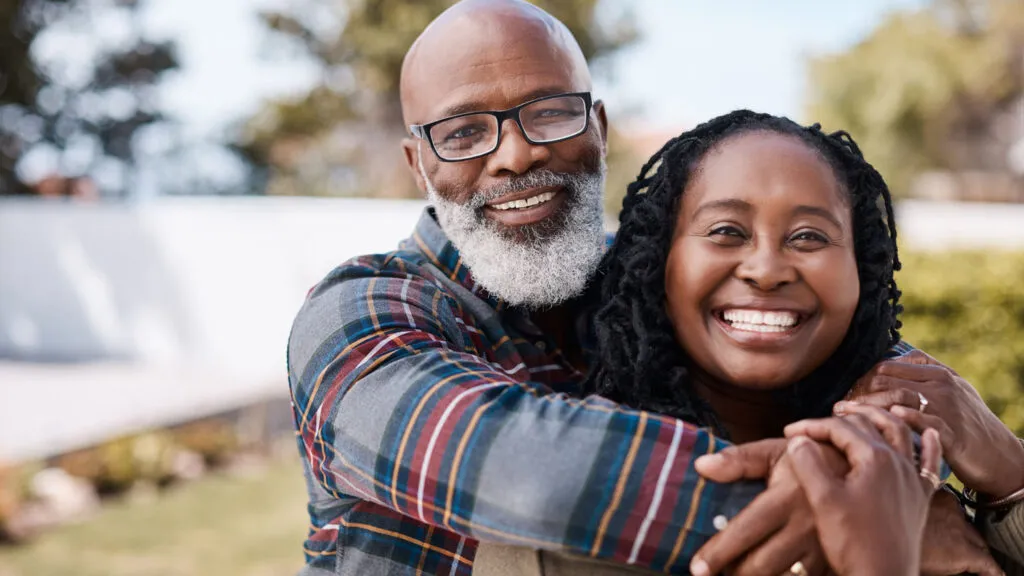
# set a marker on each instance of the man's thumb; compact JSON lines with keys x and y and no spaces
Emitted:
{"x":750,"y":461}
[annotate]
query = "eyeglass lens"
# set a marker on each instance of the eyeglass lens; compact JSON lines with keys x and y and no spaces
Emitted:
{"x":543,"y":121}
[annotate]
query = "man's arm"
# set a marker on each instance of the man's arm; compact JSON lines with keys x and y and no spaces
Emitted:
{"x":393,"y":407}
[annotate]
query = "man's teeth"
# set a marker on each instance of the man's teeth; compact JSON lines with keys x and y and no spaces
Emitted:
{"x":758,"y":321}
{"x":525,"y":202}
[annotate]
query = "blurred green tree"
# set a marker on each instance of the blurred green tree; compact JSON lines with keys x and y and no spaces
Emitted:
{"x":341,"y":137}
{"x":935,"y":88}
{"x":84,"y":106}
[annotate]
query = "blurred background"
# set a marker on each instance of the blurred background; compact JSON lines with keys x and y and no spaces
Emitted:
{"x":176,"y":174}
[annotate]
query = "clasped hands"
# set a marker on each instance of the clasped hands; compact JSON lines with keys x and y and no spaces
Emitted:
{"x":850,"y":474}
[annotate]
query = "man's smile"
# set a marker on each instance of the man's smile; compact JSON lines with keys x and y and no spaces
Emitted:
{"x":526,"y":207}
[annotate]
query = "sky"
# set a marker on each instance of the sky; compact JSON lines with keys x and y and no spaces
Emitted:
{"x":696,"y":59}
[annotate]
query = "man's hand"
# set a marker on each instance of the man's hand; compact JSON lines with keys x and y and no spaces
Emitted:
{"x":983,"y":453}
{"x":777,"y":529}
{"x":951,"y":545}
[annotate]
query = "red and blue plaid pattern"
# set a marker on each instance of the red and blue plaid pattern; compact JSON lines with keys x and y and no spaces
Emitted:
{"x":430,"y":416}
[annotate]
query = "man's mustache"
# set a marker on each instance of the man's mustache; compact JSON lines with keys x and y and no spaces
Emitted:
{"x":519,"y":183}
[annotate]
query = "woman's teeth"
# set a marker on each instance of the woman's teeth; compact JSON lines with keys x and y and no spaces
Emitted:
{"x":525,"y":202}
{"x":758,"y":321}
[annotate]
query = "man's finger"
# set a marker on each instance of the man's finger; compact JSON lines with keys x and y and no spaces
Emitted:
{"x":817,"y":481}
{"x":758,"y":521}
{"x":915,"y":371}
{"x":750,"y":461}
{"x":921,"y":421}
{"x":882,"y":383}
{"x":917,"y":357}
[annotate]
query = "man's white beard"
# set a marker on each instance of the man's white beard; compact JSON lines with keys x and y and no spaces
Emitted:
{"x":531,"y":269}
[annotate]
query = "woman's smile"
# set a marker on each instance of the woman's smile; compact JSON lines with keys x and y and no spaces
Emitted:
{"x":759,"y":329}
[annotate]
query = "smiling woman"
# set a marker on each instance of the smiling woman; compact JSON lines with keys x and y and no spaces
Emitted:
{"x":776,"y":274}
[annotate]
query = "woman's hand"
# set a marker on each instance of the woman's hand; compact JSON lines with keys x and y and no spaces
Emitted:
{"x":870,"y":520}
{"x":983,"y":453}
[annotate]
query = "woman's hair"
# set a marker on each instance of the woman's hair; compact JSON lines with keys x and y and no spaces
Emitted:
{"x":639,"y":362}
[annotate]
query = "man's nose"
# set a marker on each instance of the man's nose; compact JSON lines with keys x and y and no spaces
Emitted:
{"x":514,"y":153}
{"x":766,"y":267}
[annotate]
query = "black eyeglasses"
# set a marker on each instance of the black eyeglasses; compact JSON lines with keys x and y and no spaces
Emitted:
{"x":474,"y":134}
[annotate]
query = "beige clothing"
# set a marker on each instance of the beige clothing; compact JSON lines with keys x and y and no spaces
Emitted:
{"x":1004,"y":532}
{"x":501,"y":560}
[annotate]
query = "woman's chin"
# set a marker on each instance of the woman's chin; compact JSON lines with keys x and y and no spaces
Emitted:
{"x":764,"y":376}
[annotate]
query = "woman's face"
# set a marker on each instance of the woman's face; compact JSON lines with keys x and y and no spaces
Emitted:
{"x":761,"y":279}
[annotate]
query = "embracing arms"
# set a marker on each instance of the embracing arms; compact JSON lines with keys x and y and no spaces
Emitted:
{"x":394,"y":405}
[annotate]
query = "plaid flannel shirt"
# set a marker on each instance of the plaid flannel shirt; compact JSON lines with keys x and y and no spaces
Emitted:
{"x":431,"y":416}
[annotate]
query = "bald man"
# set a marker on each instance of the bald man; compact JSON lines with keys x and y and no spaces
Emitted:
{"x":434,"y":386}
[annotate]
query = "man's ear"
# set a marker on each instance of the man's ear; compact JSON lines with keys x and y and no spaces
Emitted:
{"x":602,"y":124}
{"x":410,"y":147}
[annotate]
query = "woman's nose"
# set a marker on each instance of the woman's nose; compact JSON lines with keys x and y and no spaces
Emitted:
{"x":766,"y":267}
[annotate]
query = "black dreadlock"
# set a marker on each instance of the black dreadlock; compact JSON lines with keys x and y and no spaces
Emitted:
{"x":640,"y":364}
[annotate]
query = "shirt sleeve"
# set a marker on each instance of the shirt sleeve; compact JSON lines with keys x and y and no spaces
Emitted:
{"x":1004,"y":531}
{"x":393,"y":405}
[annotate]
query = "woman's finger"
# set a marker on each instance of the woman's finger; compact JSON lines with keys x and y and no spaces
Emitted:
{"x":895,"y":432}
{"x":931,"y":458}
{"x":818,"y":482}
{"x":899,"y":395}
{"x":855,"y":436}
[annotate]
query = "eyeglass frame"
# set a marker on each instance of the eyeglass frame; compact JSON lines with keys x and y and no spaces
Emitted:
{"x":422,"y":131}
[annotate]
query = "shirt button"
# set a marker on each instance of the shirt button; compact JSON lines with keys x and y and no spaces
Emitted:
{"x":542,"y":346}
{"x":720,"y":522}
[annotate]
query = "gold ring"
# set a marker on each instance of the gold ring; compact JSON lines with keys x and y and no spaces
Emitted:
{"x":931,"y":477}
{"x":798,"y":569}
{"x":924,"y":402}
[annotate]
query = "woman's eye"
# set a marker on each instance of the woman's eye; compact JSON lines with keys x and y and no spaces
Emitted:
{"x":808,"y":239}
{"x":726,"y":231}
{"x":729,"y":235}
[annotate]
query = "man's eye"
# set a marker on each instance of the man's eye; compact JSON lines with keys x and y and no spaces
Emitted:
{"x":465,"y":132}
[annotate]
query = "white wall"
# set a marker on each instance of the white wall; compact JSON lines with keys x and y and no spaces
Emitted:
{"x":155,"y":312}
{"x":923,"y":225}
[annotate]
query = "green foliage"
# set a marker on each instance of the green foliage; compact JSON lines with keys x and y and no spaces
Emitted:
{"x":342,"y":137}
{"x":923,"y":84}
{"x":967,"y":310}
{"x":66,"y":107}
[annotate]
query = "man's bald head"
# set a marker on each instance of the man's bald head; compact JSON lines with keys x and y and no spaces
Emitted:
{"x":499,"y":36}
{"x":525,"y":216}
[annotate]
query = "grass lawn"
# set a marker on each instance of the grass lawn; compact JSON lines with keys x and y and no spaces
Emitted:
{"x":249,"y":525}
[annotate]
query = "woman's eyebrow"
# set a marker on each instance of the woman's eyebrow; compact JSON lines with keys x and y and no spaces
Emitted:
{"x":817,"y":211}
{"x":727,"y":204}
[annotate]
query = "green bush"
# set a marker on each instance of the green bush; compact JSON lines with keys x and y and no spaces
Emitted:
{"x":967,"y":310}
